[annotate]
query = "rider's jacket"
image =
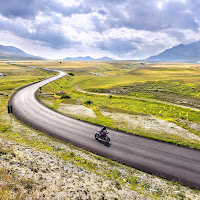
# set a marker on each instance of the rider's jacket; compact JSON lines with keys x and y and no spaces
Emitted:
{"x":103,"y":131}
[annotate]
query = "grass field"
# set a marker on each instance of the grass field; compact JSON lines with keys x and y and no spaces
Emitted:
{"x":33,"y":164}
{"x":135,"y":89}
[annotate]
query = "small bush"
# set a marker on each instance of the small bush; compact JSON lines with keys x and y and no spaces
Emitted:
{"x":118,"y":186}
{"x":72,"y":155}
{"x":4,"y":128}
{"x":27,"y":183}
{"x":88,"y":102}
{"x":71,"y":74}
{"x":65,"y":96}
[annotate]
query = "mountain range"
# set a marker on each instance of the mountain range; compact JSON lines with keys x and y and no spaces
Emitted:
{"x":88,"y":58}
{"x":179,"y":53}
{"x":13,"y":53}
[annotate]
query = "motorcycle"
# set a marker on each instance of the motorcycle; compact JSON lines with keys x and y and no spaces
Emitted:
{"x":103,"y":137}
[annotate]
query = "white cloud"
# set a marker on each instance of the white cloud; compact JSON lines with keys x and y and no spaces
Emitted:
{"x":160,"y":5}
{"x":69,"y":3}
{"x":120,"y":28}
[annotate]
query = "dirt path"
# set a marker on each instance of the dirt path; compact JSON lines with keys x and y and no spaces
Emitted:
{"x":150,"y":100}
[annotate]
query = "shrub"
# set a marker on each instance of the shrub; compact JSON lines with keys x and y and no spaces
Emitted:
{"x":118,"y":186}
{"x":71,"y":74}
{"x":88,"y":102}
{"x":4,"y":128}
{"x":65,"y":96}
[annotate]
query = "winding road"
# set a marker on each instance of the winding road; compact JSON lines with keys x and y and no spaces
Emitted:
{"x":159,"y":158}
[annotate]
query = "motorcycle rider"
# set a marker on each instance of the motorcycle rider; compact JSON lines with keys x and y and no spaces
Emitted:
{"x":103,"y":130}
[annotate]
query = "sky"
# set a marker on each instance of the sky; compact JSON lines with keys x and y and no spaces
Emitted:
{"x":121,"y":29}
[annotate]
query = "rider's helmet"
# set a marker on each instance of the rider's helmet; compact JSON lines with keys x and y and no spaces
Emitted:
{"x":104,"y":126}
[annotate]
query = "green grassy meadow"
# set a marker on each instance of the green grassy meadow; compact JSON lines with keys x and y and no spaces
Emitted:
{"x":135,"y":88}
{"x":15,"y":77}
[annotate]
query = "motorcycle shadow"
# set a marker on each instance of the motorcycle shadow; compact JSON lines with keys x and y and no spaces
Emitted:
{"x":104,"y":143}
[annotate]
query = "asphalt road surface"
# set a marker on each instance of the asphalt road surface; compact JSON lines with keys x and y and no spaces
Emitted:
{"x":159,"y":158}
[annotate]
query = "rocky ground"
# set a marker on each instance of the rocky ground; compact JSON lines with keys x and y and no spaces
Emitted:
{"x":150,"y":123}
{"x":78,"y":110}
{"x":39,"y":175}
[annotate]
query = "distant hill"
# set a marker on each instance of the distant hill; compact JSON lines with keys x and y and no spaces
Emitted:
{"x":181,"y":53}
{"x":13,"y":53}
{"x":88,"y":58}
{"x":105,"y":59}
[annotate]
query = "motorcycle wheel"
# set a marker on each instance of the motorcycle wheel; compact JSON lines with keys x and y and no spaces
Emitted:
{"x":97,"y":136}
{"x":107,"y":139}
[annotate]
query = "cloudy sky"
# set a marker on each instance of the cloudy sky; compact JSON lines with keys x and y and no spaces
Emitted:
{"x":121,"y":29}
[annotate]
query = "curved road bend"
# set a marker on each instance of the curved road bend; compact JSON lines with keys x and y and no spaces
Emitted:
{"x":159,"y":158}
